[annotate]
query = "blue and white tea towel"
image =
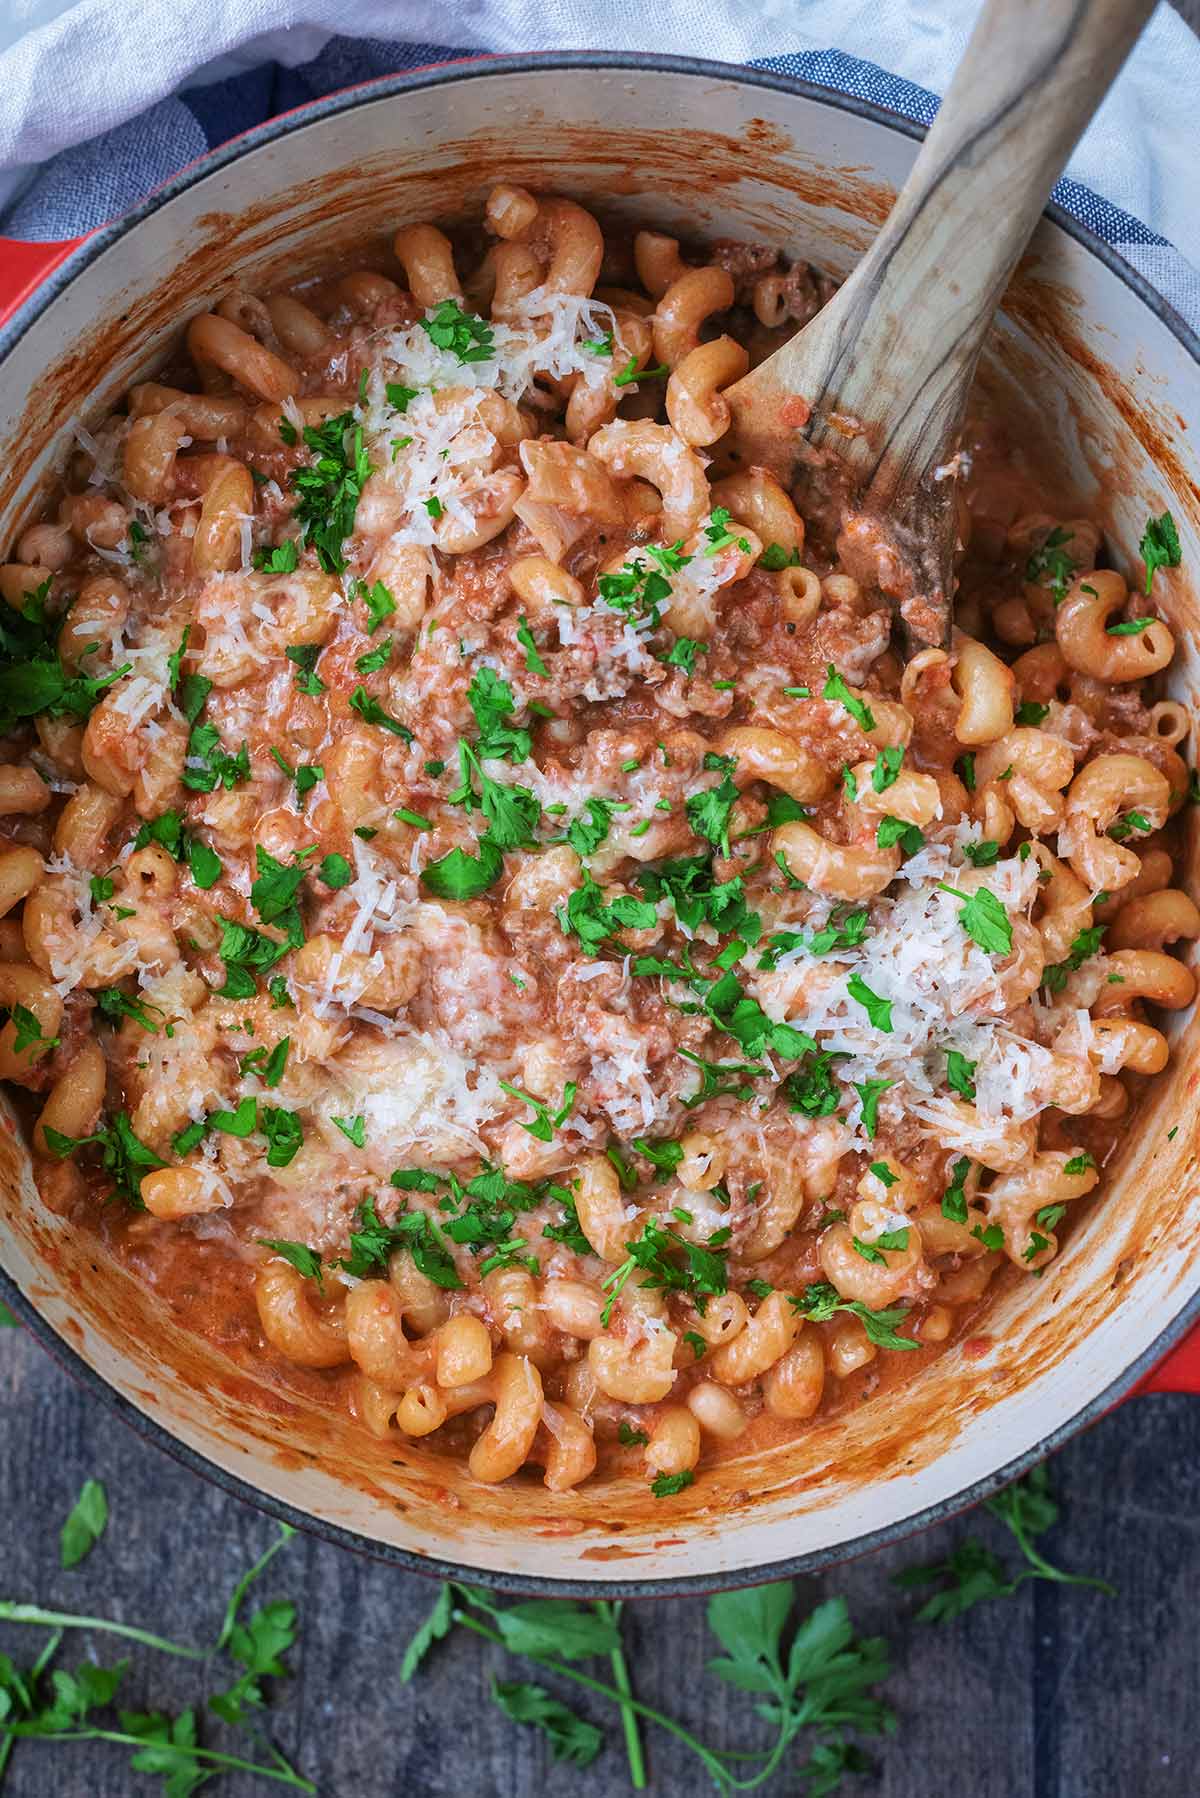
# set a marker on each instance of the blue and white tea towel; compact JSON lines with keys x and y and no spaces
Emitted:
{"x":105,"y":99}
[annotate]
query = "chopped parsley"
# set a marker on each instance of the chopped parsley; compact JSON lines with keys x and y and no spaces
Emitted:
{"x":371,"y":712}
{"x":1085,"y":944}
{"x":467,"y":337}
{"x":1053,"y":565}
{"x":1159,"y":546}
{"x":283,"y":558}
{"x":775,"y":557}
{"x":960,"y":1074}
{"x":835,"y":688}
{"x":460,"y":875}
{"x":533,"y":661}
{"x":878,"y":1010}
{"x":545,"y":1122}
{"x":328,"y":490}
{"x":822,"y":1301}
{"x":709,"y":812}
{"x":983,"y":918}
{"x":305,"y":655}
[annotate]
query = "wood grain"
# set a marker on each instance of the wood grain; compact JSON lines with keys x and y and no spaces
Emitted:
{"x":879,"y":379}
{"x":1054,"y":1694}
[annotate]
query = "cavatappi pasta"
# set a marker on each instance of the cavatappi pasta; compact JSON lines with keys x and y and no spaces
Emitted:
{"x":482,"y":893}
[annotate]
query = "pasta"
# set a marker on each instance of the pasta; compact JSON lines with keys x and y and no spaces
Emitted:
{"x":480,"y":889}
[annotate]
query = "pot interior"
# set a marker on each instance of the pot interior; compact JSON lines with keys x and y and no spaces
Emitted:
{"x":1078,"y":355}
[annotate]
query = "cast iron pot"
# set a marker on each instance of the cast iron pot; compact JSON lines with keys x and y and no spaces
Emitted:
{"x":700,"y":149}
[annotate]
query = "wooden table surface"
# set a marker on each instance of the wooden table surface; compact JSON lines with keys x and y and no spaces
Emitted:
{"x":1056,"y":1693}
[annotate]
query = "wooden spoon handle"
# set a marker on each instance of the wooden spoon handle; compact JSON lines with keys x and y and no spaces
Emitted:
{"x":899,"y":340}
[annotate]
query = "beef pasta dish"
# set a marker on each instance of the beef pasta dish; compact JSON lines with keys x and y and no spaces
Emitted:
{"x":494,"y":932}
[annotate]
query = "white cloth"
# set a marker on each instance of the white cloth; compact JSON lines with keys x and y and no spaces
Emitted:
{"x":70,"y":69}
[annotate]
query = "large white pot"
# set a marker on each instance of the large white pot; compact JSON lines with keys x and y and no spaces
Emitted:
{"x":703,"y":150}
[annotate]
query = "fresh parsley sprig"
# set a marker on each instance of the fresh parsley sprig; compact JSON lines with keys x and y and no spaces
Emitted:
{"x":50,"y":1703}
{"x":972,"y":1573}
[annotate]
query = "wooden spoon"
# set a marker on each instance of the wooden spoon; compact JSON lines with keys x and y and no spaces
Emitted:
{"x":865,"y":405}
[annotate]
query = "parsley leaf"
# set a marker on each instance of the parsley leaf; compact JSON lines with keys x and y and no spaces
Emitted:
{"x":983,"y":918}
{"x":491,"y":699}
{"x":305,"y":656}
{"x":709,"y":812}
{"x":467,"y":337}
{"x":1085,"y":944}
{"x":371,"y":712}
{"x":328,"y":490}
{"x":820,"y":1302}
{"x":973,"y":1573}
{"x":533,"y":661}
{"x":1053,"y":565}
{"x":85,"y":1524}
{"x":282,"y":558}
{"x":306,"y":1261}
{"x":960,"y":1074}
{"x":1159,"y":546}
{"x":587,"y":915}
{"x":878,"y":1010}
{"x":835,"y":688}
{"x":379,"y":602}
{"x":570,"y":1737}
{"x":869,"y":1092}
{"x":436,"y":1626}
{"x":670,"y":1485}
{"x":283,"y":1132}
{"x":208,"y":764}
{"x":585,"y":835}
{"x":460,"y":875}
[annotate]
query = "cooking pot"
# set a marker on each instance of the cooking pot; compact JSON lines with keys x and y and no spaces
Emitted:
{"x":700,"y":150}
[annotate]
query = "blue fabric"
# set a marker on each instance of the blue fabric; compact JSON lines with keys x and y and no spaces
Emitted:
{"x":96,"y":181}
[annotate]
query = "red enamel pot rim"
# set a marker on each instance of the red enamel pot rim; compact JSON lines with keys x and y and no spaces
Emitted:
{"x":31,"y":278}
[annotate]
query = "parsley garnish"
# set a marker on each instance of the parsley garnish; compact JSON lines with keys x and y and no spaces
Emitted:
{"x":709,"y":812}
{"x":304,"y":655}
{"x":1052,"y":565}
{"x":533,"y":661}
{"x":1159,"y":546}
{"x":122,"y":1153}
{"x":891,"y":831}
{"x":869,"y":1092}
{"x":545,"y":1122}
{"x":631,"y":374}
{"x":669,"y":1485}
{"x":467,"y":337}
{"x":960,"y":1074}
{"x":836,"y":688}
{"x":371,"y":712}
{"x":588,"y":916}
{"x":460,"y":875}
{"x":328,"y":490}
{"x":983,"y":918}
{"x":1129,"y":627}
{"x":284,"y":558}
{"x":820,"y":1302}
{"x":972,"y":1573}
{"x":878,"y":1010}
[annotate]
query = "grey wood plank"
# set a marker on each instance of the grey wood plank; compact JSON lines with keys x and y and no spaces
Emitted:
{"x":1056,"y":1694}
